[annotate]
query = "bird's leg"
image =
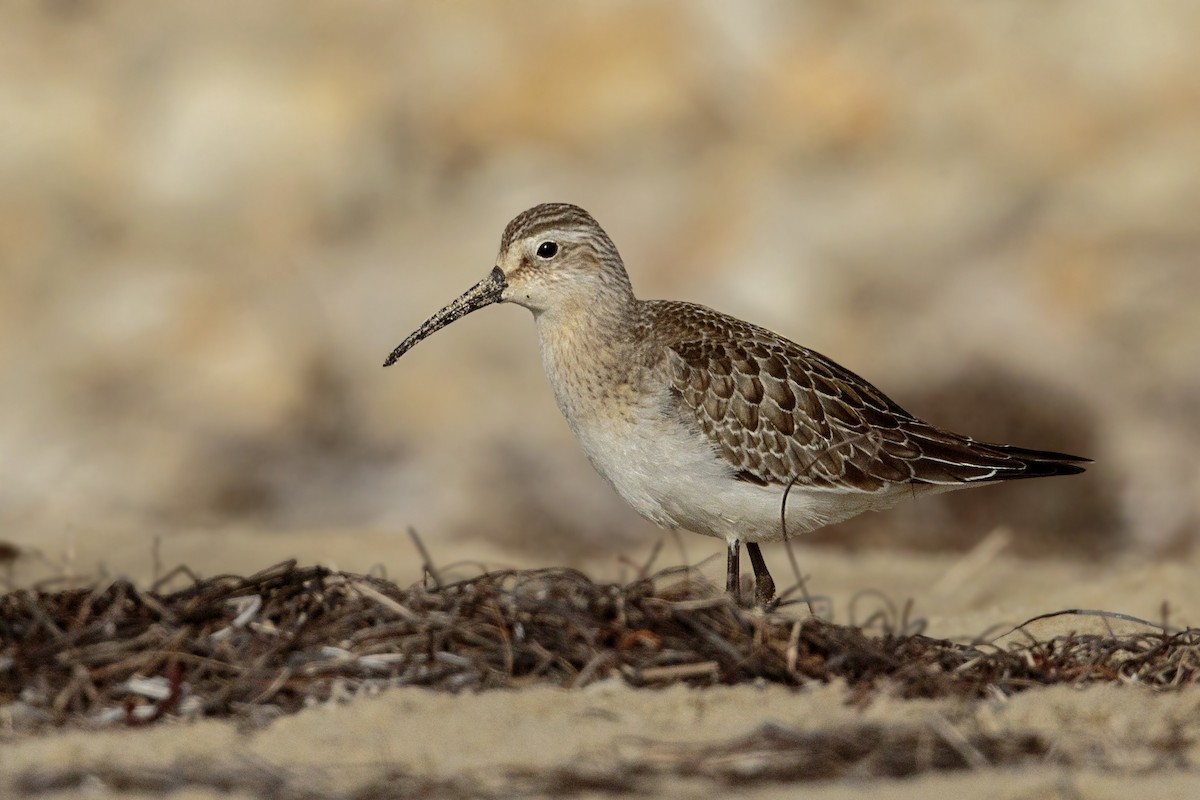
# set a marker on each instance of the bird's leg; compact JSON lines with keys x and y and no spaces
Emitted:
{"x":764,"y":584}
{"x":733,"y":570}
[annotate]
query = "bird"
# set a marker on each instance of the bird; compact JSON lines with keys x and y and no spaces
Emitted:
{"x":706,"y":423}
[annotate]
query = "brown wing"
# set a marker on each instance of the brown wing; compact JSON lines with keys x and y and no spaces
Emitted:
{"x":780,"y":413}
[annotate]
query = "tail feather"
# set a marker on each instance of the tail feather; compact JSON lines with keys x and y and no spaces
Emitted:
{"x":1038,"y":463}
{"x":948,"y":458}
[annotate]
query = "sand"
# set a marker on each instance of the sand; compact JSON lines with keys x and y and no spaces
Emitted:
{"x":1107,"y":740}
{"x":495,"y":739}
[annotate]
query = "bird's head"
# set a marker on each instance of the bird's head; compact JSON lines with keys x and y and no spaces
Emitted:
{"x":553,"y":258}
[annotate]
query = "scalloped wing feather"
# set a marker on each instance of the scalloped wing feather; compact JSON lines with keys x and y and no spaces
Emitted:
{"x":781,"y":413}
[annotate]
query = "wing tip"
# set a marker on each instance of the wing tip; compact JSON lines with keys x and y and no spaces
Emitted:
{"x":1041,"y":463}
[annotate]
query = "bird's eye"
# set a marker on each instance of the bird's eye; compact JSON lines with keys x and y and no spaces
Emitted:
{"x":547,"y":250}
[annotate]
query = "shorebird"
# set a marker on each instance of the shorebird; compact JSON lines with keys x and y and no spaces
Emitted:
{"x":703,"y":422}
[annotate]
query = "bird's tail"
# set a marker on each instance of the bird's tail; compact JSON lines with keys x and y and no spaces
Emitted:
{"x":1039,"y":463}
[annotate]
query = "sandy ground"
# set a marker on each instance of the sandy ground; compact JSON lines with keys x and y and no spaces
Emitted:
{"x":494,"y":741}
{"x":487,"y":736}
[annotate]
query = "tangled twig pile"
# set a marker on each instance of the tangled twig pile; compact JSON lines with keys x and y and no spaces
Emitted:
{"x":291,"y":636}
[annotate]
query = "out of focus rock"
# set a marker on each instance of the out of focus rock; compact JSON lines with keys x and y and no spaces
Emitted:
{"x":200,"y":202}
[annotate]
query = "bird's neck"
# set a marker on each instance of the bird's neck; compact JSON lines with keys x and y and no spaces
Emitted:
{"x":590,"y":349}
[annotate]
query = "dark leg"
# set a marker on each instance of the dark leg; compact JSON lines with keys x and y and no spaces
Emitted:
{"x":733,"y":571}
{"x":764,"y":585}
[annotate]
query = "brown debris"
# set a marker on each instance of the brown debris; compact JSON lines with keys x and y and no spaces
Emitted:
{"x":291,"y":636}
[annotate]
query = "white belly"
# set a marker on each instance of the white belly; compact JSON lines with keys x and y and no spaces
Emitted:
{"x":672,"y":476}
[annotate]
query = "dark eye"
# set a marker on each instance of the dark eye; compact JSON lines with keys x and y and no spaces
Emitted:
{"x":547,"y":250}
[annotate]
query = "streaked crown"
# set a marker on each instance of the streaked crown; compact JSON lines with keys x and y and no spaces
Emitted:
{"x":548,"y":217}
{"x":562,"y":219}
{"x":556,"y":251}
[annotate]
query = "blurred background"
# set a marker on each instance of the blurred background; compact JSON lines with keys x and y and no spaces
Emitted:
{"x":216,"y":219}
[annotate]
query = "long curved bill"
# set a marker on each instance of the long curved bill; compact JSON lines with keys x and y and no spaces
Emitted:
{"x":484,"y":293}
